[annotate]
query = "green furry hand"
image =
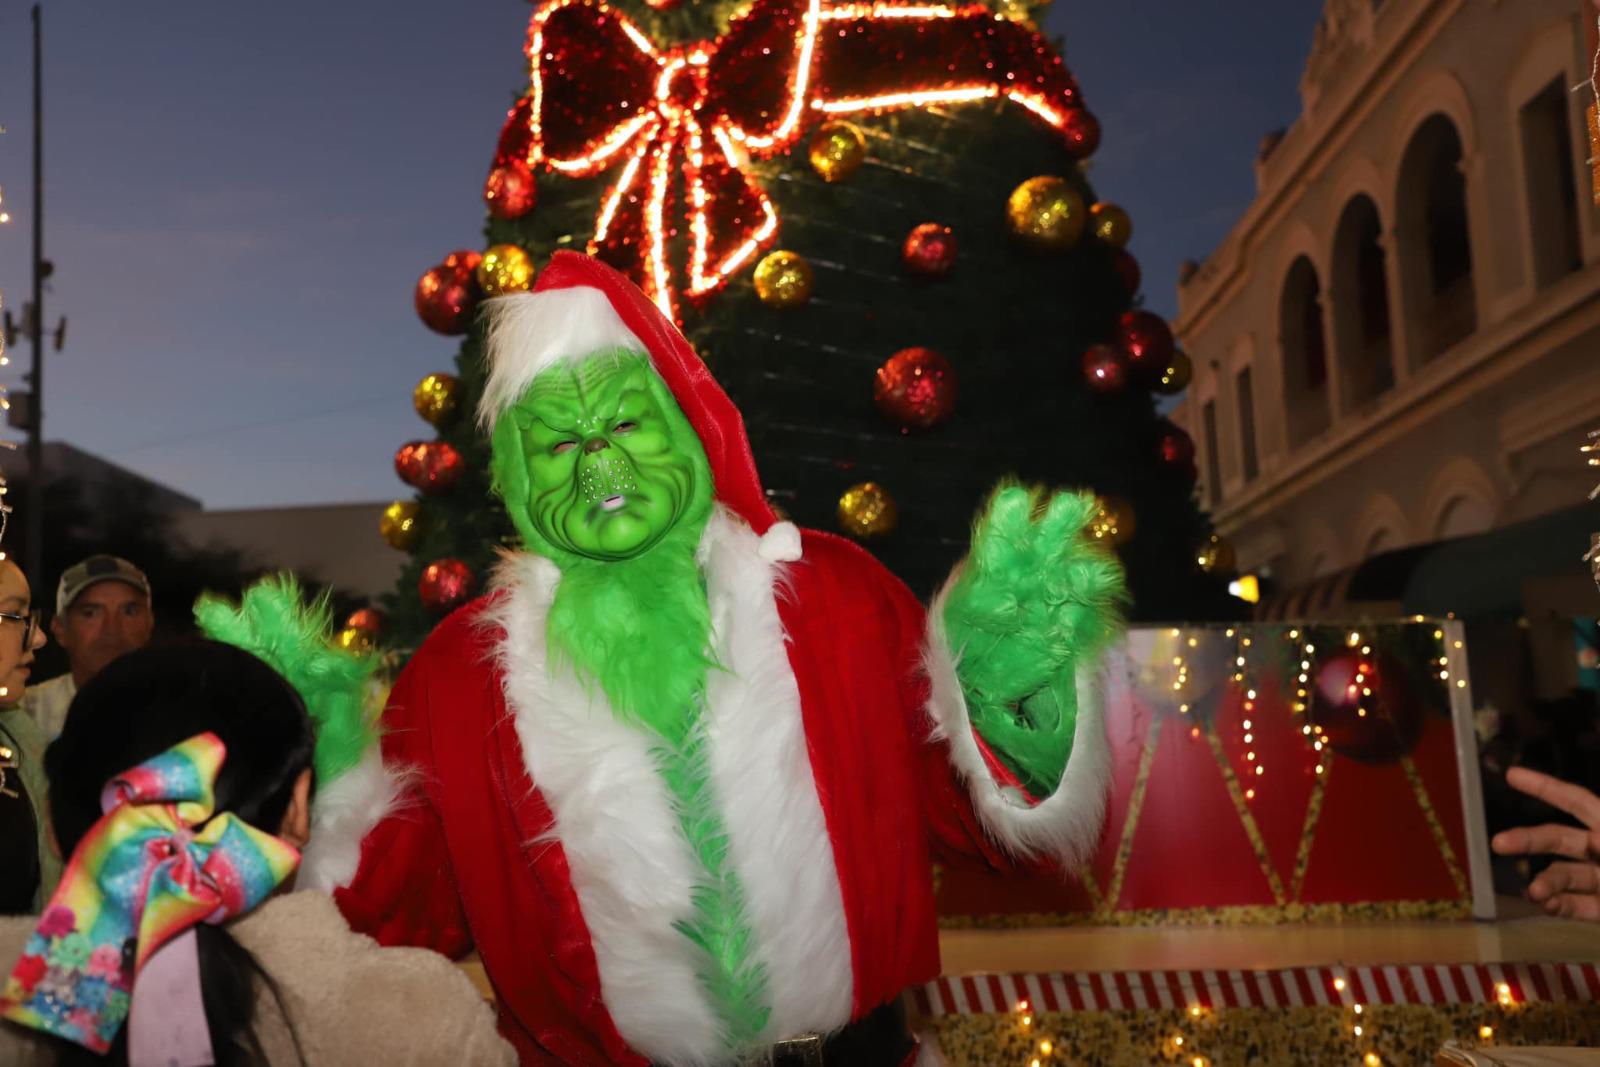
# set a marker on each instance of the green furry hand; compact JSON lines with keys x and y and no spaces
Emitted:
{"x":1036,"y":599}
{"x":273,"y":621}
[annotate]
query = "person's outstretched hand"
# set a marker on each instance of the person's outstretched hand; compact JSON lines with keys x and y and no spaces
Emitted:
{"x":1571,"y":889}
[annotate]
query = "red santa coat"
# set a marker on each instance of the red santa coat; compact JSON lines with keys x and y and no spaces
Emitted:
{"x":515,"y":814}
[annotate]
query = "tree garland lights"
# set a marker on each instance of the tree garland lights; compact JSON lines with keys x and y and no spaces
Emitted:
{"x":602,"y":93}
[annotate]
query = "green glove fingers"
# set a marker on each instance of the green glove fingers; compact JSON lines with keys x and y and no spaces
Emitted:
{"x":1036,"y":598}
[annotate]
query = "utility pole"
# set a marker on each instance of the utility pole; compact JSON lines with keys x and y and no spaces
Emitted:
{"x":33,"y":564}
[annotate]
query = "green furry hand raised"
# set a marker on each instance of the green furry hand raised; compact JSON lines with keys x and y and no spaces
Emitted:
{"x":1036,"y":600}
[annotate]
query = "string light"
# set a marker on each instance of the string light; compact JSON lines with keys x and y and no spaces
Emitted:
{"x":689,"y":124}
{"x":1486,"y":1033}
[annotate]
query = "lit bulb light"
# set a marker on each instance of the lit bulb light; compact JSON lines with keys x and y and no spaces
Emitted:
{"x":1317,"y":745}
{"x":1306,"y":729}
{"x":1249,"y":794}
{"x":1356,"y":1008}
{"x":1195,"y":1010}
{"x":1355,"y":638}
{"x":1439,"y":634}
{"x":1022,"y":1006}
{"x":1247,"y":642}
{"x":1361,"y":713}
{"x":1294,"y":635}
{"x":1045,"y":1046}
{"x":1366,"y":691}
{"x":1248,"y":738}
{"x":1319,"y":768}
{"x":1034,"y":1063}
{"x":1366,"y":650}
{"x":1371,"y":1060}
{"x":1251,"y":695}
{"x":1461,"y":683}
{"x":1310,"y":649}
{"x":1485,"y":1033}
{"x":1239,"y":661}
{"x":1260,"y":769}
{"x":1229,"y":631}
{"x":1247,"y":725}
{"x":1027,"y":1021}
{"x":1251,"y":756}
{"x":1457,"y":644}
{"x":1194,"y":642}
{"x":1339,"y":983}
{"x":1194,"y":731}
{"x":1444,"y":675}
{"x":1183,"y":709}
{"x":1356,"y":1030}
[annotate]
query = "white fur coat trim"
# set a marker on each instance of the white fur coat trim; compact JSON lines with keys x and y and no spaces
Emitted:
{"x":343,"y":813}
{"x":1066,"y":824}
{"x":631,"y":867}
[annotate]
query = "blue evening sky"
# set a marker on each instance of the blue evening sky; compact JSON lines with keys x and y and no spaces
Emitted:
{"x":240,"y":197}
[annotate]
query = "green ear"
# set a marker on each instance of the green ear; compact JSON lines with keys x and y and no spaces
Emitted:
{"x":508,"y":470}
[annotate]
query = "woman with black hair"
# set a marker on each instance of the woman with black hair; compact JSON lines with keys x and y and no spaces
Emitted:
{"x":288,"y":982}
{"x":28,"y":868}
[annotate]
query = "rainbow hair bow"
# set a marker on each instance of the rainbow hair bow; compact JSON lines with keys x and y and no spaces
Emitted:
{"x":155,"y":864}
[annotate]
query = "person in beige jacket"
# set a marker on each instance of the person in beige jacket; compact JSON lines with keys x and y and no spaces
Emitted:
{"x":287,"y":982}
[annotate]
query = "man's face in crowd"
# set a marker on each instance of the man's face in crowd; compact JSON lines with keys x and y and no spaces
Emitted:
{"x":105,"y":620}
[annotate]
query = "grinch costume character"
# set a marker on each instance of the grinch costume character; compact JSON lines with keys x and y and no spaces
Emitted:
{"x":681,"y":776}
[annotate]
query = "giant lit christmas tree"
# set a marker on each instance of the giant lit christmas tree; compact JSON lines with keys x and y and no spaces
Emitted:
{"x":872,"y":220}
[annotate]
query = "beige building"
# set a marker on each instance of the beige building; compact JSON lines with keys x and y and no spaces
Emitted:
{"x":334,"y":543}
{"x":1399,"y":342}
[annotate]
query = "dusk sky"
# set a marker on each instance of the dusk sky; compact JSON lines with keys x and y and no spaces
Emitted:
{"x":240,"y":197}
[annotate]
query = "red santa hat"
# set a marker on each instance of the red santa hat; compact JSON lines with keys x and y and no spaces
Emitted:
{"x":579,"y":307}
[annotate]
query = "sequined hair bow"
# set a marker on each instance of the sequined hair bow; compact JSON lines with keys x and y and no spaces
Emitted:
{"x":116,"y":942}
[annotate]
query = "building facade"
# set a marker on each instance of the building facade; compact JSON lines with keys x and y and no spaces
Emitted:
{"x":1399,"y":341}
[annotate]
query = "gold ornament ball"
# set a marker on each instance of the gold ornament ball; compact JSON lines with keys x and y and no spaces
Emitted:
{"x":867,"y":511}
{"x":353,"y":640}
{"x":1110,"y":224}
{"x":399,"y":524}
{"x":505,"y":269}
{"x":1217,"y":556}
{"x":837,"y":149}
{"x":435,"y":398}
{"x":783,"y":279}
{"x":1113,"y":520}
{"x":1047,"y":213}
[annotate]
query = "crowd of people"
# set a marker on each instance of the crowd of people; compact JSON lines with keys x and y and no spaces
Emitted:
{"x":285,"y":981}
{"x":278,"y":981}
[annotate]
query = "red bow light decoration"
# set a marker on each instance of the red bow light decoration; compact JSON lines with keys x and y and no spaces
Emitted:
{"x":604,"y":96}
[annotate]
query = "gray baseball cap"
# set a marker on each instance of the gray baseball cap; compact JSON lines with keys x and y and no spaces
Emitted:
{"x":80,"y":576}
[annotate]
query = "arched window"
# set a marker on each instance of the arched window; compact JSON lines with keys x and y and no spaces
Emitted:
{"x":1552,"y":192}
{"x":1305,"y":353}
{"x":1361,"y":304}
{"x":1462,"y":517}
{"x":1435,"y":246}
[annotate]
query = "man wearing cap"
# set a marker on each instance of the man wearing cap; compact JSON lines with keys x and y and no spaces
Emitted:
{"x":102,"y":611}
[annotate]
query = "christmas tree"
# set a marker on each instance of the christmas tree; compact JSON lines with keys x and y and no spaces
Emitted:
{"x":873,"y":221}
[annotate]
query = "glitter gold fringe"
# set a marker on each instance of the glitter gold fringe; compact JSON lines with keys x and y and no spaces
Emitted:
{"x":1305,"y":1036}
{"x":1130,"y":824}
{"x":1308,"y":831}
{"x":1435,"y":827}
{"x":1258,"y":845}
{"x":1238,"y":915}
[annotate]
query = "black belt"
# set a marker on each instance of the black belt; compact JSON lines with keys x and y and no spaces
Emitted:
{"x":878,"y":1039}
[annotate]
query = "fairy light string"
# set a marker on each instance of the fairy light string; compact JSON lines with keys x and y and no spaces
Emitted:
{"x":683,"y":123}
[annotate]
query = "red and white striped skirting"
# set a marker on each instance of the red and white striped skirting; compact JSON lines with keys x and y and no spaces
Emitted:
{"x":1467,"y":983}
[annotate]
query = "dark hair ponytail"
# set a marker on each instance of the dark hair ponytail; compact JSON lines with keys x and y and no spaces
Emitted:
{"x":140,"y":706}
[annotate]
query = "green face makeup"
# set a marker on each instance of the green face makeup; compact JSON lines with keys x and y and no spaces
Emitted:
{"x":597,"y":460}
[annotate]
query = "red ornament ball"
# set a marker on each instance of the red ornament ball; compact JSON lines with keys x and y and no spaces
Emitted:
{"x":445,"y":585}
{"x":1176,"y":450}
{"x":1082,"y":132}
{"x":1128,"y":271}
{"x":368,"y":620}
{"x":429,"y":466}
{"x":1146,"y":340}
{"x":447,"y":295}
{"x":510,"y":190}
{"x":1105,"y":368}
{"x":463,"y":263}
{"x":929,"y":251}
{"x":915,"y":389}
{"x":1365,"y":706}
